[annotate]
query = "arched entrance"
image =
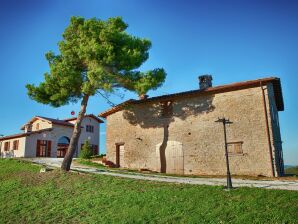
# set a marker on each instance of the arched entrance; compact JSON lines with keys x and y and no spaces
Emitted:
{"x":62,"y":146}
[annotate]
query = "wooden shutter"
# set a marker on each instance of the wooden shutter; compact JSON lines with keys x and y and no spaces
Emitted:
{"x":238,"y":148}
{"x":38,"y":148}
{"x":6,"y":146}
{"x":49,"y":148}
{"x":95,"y":150}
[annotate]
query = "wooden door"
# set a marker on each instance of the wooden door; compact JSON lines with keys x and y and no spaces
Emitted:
{"x":61,"y":151}
{"x":38,"y":148}
{"x":43,"y":148}
{"x":119,"y":155}
{"x":174,"y":157}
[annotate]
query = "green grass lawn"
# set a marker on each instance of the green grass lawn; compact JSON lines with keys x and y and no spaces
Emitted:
{"x":28,"y":196}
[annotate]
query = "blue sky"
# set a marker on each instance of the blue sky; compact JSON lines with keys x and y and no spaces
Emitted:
{"x":232,"y":40}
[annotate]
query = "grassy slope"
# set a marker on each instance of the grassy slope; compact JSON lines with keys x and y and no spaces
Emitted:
{"x":292,"y":170}
{"x":30,"y":197}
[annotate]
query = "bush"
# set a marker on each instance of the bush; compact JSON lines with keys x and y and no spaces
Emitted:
{"x":86,"y":151}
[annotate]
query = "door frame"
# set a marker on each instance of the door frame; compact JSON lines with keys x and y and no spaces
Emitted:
{"x":117,"y":159}
{"x":47,"y":144}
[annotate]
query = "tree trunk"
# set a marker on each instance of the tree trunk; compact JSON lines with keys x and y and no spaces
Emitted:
{"x":73,"y":145}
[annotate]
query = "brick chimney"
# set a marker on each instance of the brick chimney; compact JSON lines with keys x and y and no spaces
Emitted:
{"x":143,"y":96}
{"x":205,"y":81}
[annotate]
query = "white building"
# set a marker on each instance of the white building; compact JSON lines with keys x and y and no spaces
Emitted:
{"x":47,"y":137}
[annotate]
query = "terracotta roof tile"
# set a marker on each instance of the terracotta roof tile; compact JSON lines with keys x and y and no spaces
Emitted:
{"x":87,"y":115}
{"x":24,"y":134}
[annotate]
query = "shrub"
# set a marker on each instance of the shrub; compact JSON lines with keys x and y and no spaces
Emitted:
{"x":86,"y":151}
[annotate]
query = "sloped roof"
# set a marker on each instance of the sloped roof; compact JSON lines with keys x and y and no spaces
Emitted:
{"x":24,"y":134}
{"x":57,"y":121}
{"x":212,"y":90}
{"x":64,"y":122}
{"x":87,"y":115}
{"x":51,"y":120}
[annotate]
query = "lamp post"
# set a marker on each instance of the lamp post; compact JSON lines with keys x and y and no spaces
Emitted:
{"x":225,"y":121}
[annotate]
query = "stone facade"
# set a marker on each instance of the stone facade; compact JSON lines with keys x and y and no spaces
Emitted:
{"x":192,"y":141}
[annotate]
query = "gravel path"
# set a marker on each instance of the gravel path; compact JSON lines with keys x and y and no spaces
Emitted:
{"x":267,"y":184}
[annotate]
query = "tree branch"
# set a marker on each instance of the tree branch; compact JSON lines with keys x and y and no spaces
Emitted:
{"x":106,"y":98}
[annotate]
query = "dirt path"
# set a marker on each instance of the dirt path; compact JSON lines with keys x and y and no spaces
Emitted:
{"x":267,"y":184}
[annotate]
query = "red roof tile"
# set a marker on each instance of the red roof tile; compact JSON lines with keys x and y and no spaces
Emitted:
{"x":24,"y":134}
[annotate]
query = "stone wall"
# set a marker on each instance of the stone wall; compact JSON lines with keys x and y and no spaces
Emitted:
{"x":41,"y":124}
{"x":142,"y":130}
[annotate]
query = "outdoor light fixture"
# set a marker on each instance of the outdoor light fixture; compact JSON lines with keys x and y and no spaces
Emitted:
{"x":225,"y":121}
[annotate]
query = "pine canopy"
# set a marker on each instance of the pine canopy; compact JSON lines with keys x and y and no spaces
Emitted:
{"x":95,"y":55}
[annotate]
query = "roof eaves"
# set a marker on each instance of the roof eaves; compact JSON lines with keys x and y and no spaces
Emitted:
{"x":116,"y":108}
{"x":212,"y":90}
{"x":87,"y":115}
{"x":24,"y":134}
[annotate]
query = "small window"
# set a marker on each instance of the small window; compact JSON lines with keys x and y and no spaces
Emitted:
{"x":166,"y":109}
{"x":89,"y":128}
{"x":15,"y":145}
{"x":235,"y":148}
{"x":37,"y":126}
{"x":6,"y":146}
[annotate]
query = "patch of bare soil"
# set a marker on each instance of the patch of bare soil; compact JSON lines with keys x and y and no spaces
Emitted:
{"x":55,"y":176}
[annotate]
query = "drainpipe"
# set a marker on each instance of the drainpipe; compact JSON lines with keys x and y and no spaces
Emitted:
{"x":267,"y":129}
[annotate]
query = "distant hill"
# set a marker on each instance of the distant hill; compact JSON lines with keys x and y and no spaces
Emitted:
{"x":291,"y":170}
{"x":288,"y":166}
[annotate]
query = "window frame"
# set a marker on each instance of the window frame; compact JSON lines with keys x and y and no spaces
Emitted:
{"x":15,"y":144}
{"x":7,"y":146}
{"x":90,"y":128}
{"x":234,"y":151}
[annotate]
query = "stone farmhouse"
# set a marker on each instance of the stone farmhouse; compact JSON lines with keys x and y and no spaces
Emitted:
{"x":177,"y":133}
{"x":47,"y":137}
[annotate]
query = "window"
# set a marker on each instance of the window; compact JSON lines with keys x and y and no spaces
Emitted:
{"x":166,"y":109}
{"x":15,"y":145}
{"x":43,"y":148}
{"x":6,"y":146}
{"x":37,"y":126}
{"x":89,"y":128}
{"x":235,"y":148}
